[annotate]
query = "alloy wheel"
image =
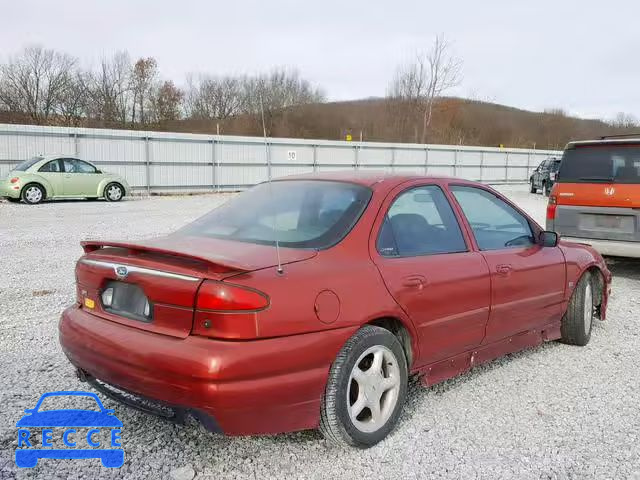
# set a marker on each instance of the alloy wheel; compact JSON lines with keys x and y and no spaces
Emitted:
{"x":374,"y":386}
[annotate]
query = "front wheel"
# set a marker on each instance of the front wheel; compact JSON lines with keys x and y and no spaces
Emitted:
{"x":113,"y":192}
{"x":532,"y":187}
{"x":366,"y":389}
{"x":578,"y":321}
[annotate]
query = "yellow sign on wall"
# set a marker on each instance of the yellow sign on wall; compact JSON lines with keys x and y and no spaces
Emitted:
{"x":348,"y":137}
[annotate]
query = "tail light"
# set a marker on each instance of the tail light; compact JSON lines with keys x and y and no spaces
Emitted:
{"x":227,"y":311}
{"x":222,"y":297}
{"x":551,"y":207}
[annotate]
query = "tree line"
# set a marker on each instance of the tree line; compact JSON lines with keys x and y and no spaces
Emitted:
{"x":46,"y":87}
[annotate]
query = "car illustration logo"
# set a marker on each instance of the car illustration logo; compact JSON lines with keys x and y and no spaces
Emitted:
{"x":91,"y":433}
{"x":609,"y":191}
{"x":121,"y":271}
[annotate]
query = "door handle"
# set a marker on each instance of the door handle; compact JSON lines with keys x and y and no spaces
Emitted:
{"x":504,"y":269}
{"x":414,"y":281}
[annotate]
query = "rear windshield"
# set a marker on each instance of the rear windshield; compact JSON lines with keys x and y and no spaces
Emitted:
{"x":298,"y":213}
{"x":555,"y":165}
{"x":601,"y":164}
{"x":24,"y":166}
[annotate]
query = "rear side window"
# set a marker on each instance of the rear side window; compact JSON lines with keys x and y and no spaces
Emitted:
{"x":495,"y":223}
{"x":52,"y":167}
{"x":601,"y":164}
{"x":420,"y":222}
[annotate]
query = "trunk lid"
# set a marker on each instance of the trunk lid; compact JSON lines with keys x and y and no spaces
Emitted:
{"x":164,"y":273}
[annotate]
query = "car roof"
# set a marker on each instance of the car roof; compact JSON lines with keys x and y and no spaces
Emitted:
{"x":368,"y":178}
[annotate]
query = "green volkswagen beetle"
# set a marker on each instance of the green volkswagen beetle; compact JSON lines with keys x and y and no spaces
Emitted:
{"x":54,"y":177}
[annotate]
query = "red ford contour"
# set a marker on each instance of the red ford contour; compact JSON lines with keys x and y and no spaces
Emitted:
{"x":307,"y":302}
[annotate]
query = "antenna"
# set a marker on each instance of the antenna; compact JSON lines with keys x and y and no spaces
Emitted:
{"x":266,"y":152}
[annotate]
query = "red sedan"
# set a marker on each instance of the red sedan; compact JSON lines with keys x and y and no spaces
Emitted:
{"x":308,"y":302}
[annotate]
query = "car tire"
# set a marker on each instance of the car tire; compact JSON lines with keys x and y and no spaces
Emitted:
{"x":347,"y":415}
{"x":113,"y":192}
{"x":578,"y":320}
{"x":32,"y":193}
{"x":532,"y":188}
{"x":545,"y":189}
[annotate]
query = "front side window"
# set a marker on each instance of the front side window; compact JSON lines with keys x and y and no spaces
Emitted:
{"x":297,"y":213}
{"x":495,"y":223}
{"x":420,"y":222}
{"x":71,"y":165}
{"x":52,"y":167}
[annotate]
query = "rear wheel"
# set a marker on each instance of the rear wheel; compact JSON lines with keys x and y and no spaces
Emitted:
{"x":545,"y":188}
{"x":532,"y":188}
{"x":578,"y":321}
{"x":366,"y":389}
{"x":113,"y":192}
{"x":33,"y":194}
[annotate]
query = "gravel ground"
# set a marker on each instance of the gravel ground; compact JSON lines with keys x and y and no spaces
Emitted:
{"x":552,"y":412}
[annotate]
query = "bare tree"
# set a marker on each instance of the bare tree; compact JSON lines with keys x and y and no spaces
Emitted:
{"x":167,"y":102}
{"x":420,"y":83}
{"x":144,"y":77}
{"x":277,"y":91}
{"x":34,"y":82}
{"x":109,"y":89}
{"x":214,"y":97}
{"x":73,"y":105}
{"x":624,"y":120}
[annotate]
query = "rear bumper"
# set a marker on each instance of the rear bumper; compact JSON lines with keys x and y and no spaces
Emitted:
{"x":613,"y":248}
{"x":254,"y":387}
{"x":7,"y":190}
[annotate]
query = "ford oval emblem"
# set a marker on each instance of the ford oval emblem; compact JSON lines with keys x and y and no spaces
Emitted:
{"x":121,"y":271}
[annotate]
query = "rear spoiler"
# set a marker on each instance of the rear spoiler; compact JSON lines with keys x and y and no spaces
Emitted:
{"x":217,"y":264}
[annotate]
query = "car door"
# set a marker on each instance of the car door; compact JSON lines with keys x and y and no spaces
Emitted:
{"x":52,"y":172}
{"x":427,"y":266}
{"x":81,"y":178}
{"x":527,"y":279}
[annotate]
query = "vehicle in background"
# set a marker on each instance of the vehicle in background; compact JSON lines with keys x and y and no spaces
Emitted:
{"x":596,"y":197}
{"x":307,"y":302}
{"x":58,"y":177}
{"x":544,"y":176}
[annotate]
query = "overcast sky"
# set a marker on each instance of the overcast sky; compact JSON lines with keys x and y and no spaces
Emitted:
{"x":577,"y":55}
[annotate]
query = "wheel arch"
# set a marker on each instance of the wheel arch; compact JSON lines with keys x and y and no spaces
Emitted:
{"x":402,"y":332}
{"x":103,"y":185}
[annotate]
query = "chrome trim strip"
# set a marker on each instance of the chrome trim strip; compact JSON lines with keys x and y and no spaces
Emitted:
{"x":143,"y":270}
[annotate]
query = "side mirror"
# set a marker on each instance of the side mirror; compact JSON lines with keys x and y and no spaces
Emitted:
{"x":549,"y":239}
